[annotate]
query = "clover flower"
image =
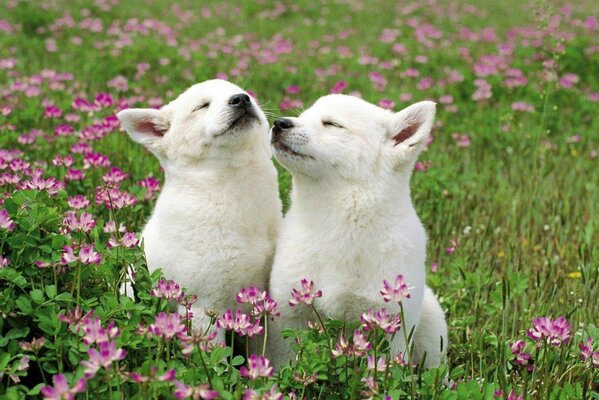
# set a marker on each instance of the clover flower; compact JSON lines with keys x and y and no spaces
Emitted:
{"x":95,"y":333}
{"x":5,"y":221}
{"x":240,"y":323}
{"x":258,"y":366}
{"x":380,"y":364}
{"x":87,"y":255}
{"x":306,"y":295}
{"x":169,"y":290}
{"x":552,"y":331}
{"x":71,"y":222}
{"x":168,"y":376}
{"x":522,"y":358}
{"x":35,"y":345}
{"x":103,"y":356}
{"x":396,"y":291}
{"x":271,"y":394}
{"x":203,"y":391}
{"x":61,"y":389}
{"x":261,"y":302}
{"x":4,"y":261}
{"x":167,"y":326}
{"x":358,"y":348}
{"x":251,"y":295}
{"x":586,"y":352}
{"x":381,"y":319}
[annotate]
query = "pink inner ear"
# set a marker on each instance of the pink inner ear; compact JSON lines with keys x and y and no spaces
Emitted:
{"x":149,"y":127}
{"x":406,"y":132}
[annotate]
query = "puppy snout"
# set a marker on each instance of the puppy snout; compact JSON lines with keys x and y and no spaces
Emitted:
{"x":240,"y":100}
{"x":281,"y":124}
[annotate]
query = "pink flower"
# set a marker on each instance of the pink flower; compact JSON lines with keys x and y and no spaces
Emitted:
{"x":5,"y":221}
{"x":258,"y":366}
{"x":197,"y":337}
{"x":52,"y":112}
{"x":104,"y":357}
{"x":203,"y":391}
{"x":84,"y":223}
{"x":293,"y":89}
{"x":4,"y":261}
{"x":339,"y":87}
{"x":552,"y":331}
{"x":61,"y":390}
{"x":167,"y":326}
{"x":88,"y":256}
{"x":380,"y":364}
{"x":387,"y":103}
{"x":35,"y":345}
{"x":396,"y":292}
{"x":586,"y":350}
{"x":95,"y":333}
{"x":586,"y":353}
{"x":358,"y":348}
{"x":569,"y":80}
{"x":78,"y":202}
{"x":522,"y":358}
{"x":241,"y":323}
{"x":453,"y":247}
{"x":251,"y":295}
{"x":168,"y":290}
{"x":306,"y":295}
{"x":68,"y":255}
{"x":271,"y":394}
{"x":114,"y":176}
{"x":381,"y":319}
{"x":168,"y":376}
{"x":523,"y":106}
{"x":573,"y":139}
{"x":462,"y":140}
{"x":152,"y":186}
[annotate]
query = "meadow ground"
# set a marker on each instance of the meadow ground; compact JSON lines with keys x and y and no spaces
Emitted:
{"x":508,"y":189}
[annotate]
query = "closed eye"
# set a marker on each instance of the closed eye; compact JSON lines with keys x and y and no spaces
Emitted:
{"x":331,"y":123}
{"x":201,"y":106}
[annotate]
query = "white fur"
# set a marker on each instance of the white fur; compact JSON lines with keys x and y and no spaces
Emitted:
{"x":351,"y":223}
{"x":215,"y":223}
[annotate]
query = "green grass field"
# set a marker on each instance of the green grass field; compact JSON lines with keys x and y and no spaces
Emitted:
{"x":508,"y":190}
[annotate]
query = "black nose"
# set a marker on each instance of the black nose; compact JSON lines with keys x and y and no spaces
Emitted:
{"x":240,"y":100}
{"x":283,"y":123}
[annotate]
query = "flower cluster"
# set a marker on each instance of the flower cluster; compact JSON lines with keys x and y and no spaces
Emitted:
{"x":305,"y":294}
{"x":552,"y":331}
{"x":257,"y":367}
{"x":239,"y":323}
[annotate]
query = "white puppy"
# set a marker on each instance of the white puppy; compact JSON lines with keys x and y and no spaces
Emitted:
{"x":215,"y":223}
{"x":351,"y":223}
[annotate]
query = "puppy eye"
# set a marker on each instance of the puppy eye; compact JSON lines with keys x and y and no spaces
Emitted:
{"x":201,"y":106}
{"x":331,"y":123}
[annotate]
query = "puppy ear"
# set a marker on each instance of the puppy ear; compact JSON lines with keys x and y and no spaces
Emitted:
{"x":411,"y":126}
{"x":145,"y":125}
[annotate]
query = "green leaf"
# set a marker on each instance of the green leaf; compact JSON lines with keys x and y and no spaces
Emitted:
{"x":24,"y":304}
{"x":237,"y":360}
{"x":50,"y":291}
{"x":16,"y":333}
{"x":36,"y":389}
{"x":37,"y":296}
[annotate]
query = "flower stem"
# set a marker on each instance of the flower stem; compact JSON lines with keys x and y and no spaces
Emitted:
{"x":205,"y":367}
{"x":265,"y":334}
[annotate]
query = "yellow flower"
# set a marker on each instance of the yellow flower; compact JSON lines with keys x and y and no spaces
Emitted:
{"x":575,"y":275}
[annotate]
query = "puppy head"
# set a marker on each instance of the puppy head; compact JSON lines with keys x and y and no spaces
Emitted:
{"x":212,"y":120}
{"x":347,"y":137}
